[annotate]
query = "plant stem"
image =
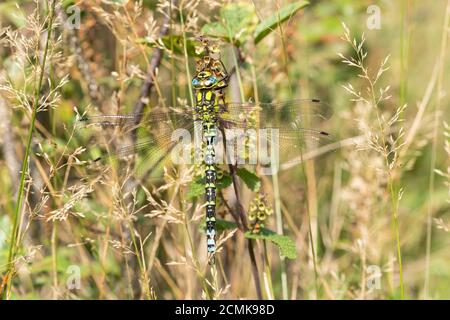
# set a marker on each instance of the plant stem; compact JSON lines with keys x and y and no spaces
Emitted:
{"x":392,"y":190}
{"x":233,"y":168}
{"x":385,"y":153}
{"x":243,"y":218}
{"x":266,"y":276}
{"x":235,"y":50}
{"x":238,"y":72}
{"x":283,"y":43}
{"x":54,"y":238}
{"x":186,"y":59}
{"x":20,"y":194}
{"x":139,"y":251}
{"x":436,"y":126}
{"x":395,"y":200}
{"x":279,"y":220}
{"x":150,"y":80}
{"x":404,"y":47}
{"x":310,"y":233}
{"x":172,"y":59}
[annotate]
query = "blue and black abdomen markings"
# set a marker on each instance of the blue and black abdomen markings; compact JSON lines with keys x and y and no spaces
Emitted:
{"x":205,"y":107}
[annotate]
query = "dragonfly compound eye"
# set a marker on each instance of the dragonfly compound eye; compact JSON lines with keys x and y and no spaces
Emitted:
{"x":195,"y":82}
{"x":212,"y":80}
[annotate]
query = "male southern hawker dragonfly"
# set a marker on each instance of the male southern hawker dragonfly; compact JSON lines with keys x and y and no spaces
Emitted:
{"x":215,"y":132}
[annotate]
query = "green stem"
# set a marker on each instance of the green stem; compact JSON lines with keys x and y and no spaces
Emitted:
{"x":391,"y":181}
{"x":186,"y":59}
{"x":279,"y":220}
{"x":200,"y":274}
{"x":236,"y":62}
{"x":303,"y":168}
{"x":392,"y":189}
{"x":283,"y":43}
{"x":172,"y":59}
{"x":402,"y":54}
{"x":393,"y":194}
{"x":267,"y":276}
{"x":267,"y":273}
{"x":310,"y":234}
{"x":53,"y":240}
{"x":394,"y":198}
{"x":19,"y":203}
{"x":436,"y":127}
{"x":141,"y":259}
{"x":196,"y":262}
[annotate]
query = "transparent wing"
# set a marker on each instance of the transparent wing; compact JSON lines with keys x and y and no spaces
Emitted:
{"x":148,"y":156}
{"x":278,"y":127}
{"x":287,"y":129}
{"x":292,"y":143}
{"x":170,"y":118}
{"x":267,"y":146}
{"x":275,"y":114}
{"x":157,"y":135}
{"x":234,"y":114}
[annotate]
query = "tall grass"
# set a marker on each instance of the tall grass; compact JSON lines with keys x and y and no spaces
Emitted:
{"x":378,"y":140}
{"x":14,"y":244}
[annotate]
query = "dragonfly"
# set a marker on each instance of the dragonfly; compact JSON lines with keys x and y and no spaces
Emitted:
{"x":216,"y":132}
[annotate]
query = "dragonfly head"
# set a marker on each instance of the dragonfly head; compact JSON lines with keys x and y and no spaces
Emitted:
{"x":205,"y":80}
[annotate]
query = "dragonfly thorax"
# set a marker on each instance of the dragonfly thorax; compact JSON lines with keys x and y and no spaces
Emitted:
{"x":205,"y":106}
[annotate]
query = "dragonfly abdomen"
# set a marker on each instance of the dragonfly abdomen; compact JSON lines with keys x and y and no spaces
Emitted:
{"x":210,"y":197}
{"x":205,"y":110}
{"x":209,"y":132}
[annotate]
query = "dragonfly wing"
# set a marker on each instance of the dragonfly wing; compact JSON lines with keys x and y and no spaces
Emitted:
{"x":157,"y":137}
{"x":275,"y":114}
{"x":148,"y":156}
{"x":294,"y":142}
{"x":278,"y":126}
{"x":172,"y":118}
{"x":265,"y":146}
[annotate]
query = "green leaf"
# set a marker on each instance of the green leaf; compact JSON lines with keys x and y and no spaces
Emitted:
{"x":224,"y":182}
{"x":215,"y":29}
{"x":221,"y":225}
{"x":67,"y":3}
{"x":238,"y":21}
{"x":250,"y":179}
{"x":268,"y":25}
{"x":284,"y":243}
{"x":197,"y":187}
{"x":177,"y":42}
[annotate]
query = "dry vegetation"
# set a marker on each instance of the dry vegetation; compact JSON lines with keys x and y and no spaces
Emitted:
{"x":369,"y":217}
